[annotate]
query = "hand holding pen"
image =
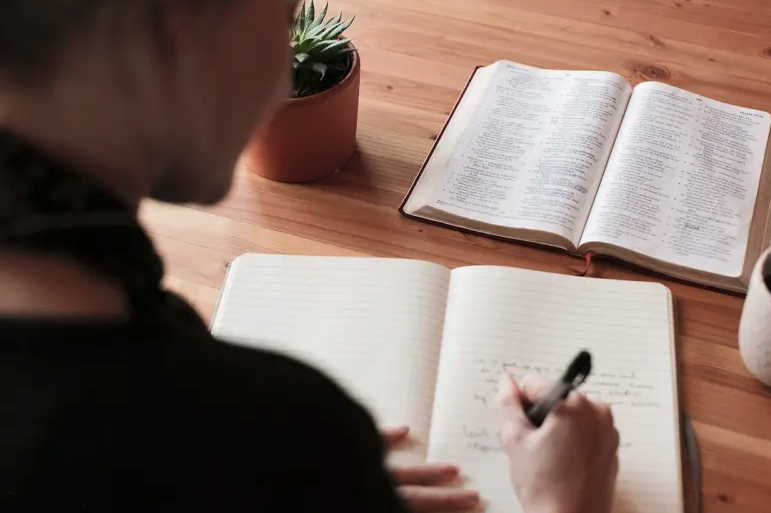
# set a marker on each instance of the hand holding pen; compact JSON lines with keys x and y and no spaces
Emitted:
{"x":567,"y":465}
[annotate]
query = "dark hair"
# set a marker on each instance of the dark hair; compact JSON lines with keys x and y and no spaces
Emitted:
{"x":33,"y":31}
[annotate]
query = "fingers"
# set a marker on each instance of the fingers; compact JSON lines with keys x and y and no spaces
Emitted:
{"x":594,"y":416}
{"x":415,"y":482}
{"x":578,"y":401}
{"x":511,"y":411}
{"x":508,"y":392}
{"x":611,"y":486}
{"x":579,"y":404}
{"x":577,"y":408}
{"x":534,"y":388}
{"x":394,"y":436}
{"x":425,"y":475}
{"x":604,"y":413}
{"x":423,"y":500}
{"x":419,"y":485}
{"x":510,"y":403}
{"x":605,"y":427}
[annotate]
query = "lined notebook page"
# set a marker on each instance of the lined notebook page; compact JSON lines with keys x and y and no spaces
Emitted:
{"x":374,"y":325}
{"x":521,"y":322}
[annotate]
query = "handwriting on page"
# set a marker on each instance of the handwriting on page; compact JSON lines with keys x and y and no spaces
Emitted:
{"x":620,"y":388}
{"x":513,"y":321}
{"x":617,"y":389}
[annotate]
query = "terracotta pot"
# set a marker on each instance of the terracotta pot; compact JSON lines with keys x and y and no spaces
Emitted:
{"x":309,"y":138}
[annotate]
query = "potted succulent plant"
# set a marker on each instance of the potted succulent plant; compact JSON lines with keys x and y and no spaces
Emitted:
{"x":314,"y":133}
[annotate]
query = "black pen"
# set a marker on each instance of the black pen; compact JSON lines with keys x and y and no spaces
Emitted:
{"x":577,"y":372}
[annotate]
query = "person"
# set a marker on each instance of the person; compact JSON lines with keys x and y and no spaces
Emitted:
{"x":114,"y":395}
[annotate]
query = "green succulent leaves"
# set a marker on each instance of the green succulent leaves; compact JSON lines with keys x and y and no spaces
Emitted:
{"x":321,"y":54}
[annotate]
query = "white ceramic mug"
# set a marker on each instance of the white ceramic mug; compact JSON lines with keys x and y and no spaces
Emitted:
{"x":755,"y":326}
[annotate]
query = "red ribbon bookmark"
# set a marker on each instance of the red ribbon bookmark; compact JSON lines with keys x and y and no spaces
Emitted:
{"x":588,"y":264}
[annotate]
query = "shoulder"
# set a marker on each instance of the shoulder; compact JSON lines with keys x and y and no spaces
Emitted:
{"x":280,"y":430}
{"x":277,"y":397}
{"x":276,"y":377}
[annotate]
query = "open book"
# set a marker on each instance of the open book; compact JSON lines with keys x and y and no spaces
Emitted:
{"x":424,"y":346}
{"x":652,"y":175}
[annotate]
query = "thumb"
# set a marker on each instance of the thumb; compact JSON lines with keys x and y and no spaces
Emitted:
{"x":510,"y":403}
{"x":394,"y":436}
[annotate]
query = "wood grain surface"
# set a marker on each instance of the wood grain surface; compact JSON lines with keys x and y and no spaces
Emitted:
{"x":416,"y":57}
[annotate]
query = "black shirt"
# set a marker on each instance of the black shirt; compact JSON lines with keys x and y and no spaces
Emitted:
{"x":153,"y":414}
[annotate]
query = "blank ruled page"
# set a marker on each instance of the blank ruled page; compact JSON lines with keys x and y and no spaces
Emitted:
{"x":374,"y":325}
{"x":521,"y":322}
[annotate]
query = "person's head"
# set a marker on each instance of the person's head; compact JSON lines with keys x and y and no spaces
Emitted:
{"x":184,"y":83}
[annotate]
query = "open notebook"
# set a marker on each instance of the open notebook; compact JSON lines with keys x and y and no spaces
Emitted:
{"x":424,"y":346}
{"x":653,"y":175}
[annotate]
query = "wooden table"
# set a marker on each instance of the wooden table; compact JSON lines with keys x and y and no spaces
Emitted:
{"x":416,"y":57}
